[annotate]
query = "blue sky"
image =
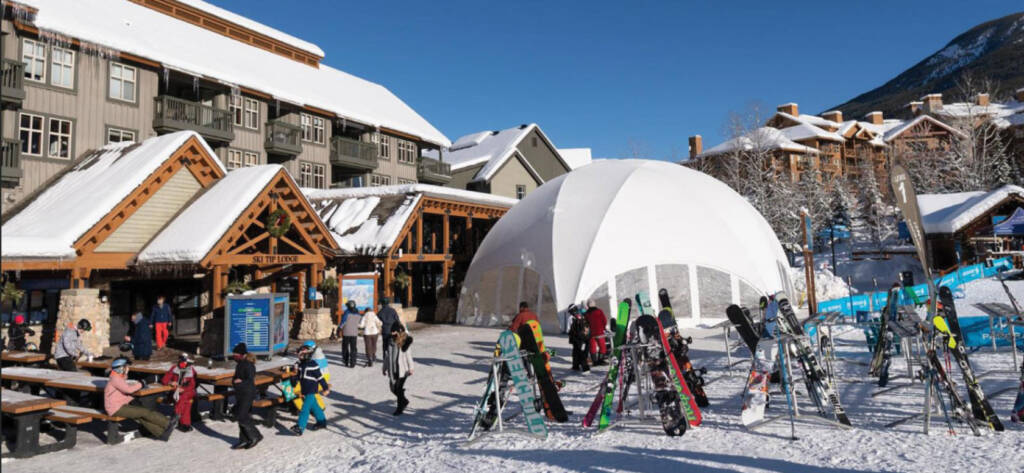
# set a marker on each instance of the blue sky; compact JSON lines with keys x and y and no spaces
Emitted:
{"x":621,"y":76}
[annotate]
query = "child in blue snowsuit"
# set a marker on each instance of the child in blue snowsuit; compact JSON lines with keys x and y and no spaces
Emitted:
{"x":311,"y":381}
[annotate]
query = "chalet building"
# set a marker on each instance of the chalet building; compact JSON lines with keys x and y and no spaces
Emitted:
{"x":510,"y":163}
{"x":1006,"y":116}
{"x":972,"y":226}
{"x":79,"y":75}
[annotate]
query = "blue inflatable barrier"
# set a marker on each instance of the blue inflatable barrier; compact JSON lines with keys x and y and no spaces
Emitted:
{"x":977,"y":333}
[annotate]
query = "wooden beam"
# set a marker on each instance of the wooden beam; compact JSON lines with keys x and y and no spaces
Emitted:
{"x":266,"y":259}
{"x":419,"y":233}
{"x":249,"y":244}
{"x":425,"y":258}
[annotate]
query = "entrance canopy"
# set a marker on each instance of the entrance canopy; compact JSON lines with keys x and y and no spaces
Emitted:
{"x":613,"y":228}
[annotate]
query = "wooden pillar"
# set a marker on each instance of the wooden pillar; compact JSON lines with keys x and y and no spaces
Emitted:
{"x":218,"y":287}
{"x":408,"y":287}
{"x":302,"y":289}
{"x":469,"y":242}
{"x":387,"y":277}
{"x":419,"y":233}
{"x":446,"y":235}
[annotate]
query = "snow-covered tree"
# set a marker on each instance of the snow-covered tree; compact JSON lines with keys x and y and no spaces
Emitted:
{"x":876,"y":213}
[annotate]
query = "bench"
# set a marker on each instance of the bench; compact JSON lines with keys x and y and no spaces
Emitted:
{"x":270,"y":411}
{"x":70,"y":422}
{"x":114,"y":435}
{"x":217,"y":404}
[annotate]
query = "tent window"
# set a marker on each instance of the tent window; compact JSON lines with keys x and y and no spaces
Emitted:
{"x":676,"y":279}
{"x":629,"y":283}
{"x":714,"y":288}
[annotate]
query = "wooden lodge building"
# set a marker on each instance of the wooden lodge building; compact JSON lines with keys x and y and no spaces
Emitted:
{"x":966,"y":225}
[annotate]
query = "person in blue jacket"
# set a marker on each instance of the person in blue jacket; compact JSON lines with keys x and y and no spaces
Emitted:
{"x":311,"y":381}
{"x":162,"y":320}
{"x":142,"y":337}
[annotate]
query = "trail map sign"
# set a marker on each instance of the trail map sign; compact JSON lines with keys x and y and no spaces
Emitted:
{"x":361,"y":290}
{"x":259,"y":320}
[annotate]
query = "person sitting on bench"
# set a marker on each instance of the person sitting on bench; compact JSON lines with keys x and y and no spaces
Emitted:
{"x":117,"y":400}
{"x":70,"y":348}
{"x":182,"y":376}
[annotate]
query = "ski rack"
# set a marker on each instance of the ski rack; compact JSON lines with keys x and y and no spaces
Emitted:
{"x":910,"y":336}
{"x":496,"y":364}
{"x":992,"y":311}
{"x":640,"y":377}
{"x":726,"y":327}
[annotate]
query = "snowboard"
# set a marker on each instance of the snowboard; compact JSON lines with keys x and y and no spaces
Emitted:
{"x":755,"y":398}
{"x":521,"y":380}
{"x":951,"y":328}
{"x":694,"y":377}
{"x":744,"y":326}
{"x":879,"y":353}
{"x":818,"y":388}
{"x":532,"y":340}
{"x":613,"y":377}
{"x":667,"y":397}
{"x":690,"y":407}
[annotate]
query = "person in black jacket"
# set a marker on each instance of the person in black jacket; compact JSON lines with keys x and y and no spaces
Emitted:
{"x":245,"y":394}
{"x":388,"y":318}
{"x":17,"y":332}
{"x":310,"y":380}
{"x":579,"y":337}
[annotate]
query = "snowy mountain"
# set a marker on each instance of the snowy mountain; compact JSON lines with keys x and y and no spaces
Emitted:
{"x":994,"y":49}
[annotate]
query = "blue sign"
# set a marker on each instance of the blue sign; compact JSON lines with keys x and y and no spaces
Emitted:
{"x":260,"y":321}
{"x":809,"y":234}
{"x":360,"y":290}
{"x":1014,"y":225}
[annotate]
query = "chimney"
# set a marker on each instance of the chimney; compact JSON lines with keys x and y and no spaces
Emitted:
{"x":834,"y":115}
{"x":916,"y":107}
{"x":696,"y":146}
{"x":932,"y":103}
{"x":1019,"y":94}
{"x":875,"y":118}
{"x":789,"y":108}
{"x":982,"y":100}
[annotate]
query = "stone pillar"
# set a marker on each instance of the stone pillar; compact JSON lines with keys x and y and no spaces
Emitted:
{"x":78,"y":304}
{"x":316,"y":324}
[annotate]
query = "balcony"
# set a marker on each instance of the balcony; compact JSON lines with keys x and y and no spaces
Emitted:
{"x":283,"y":138}
{"x":353,"y":154}
{"x":12,"y":83}
{"x":11,"y":160}
{"x":433,"y":171}
{"x":173,"y":114}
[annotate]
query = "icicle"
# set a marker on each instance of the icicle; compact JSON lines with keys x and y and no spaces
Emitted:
{"x":195,"y":87}
{"x":167,"y":77}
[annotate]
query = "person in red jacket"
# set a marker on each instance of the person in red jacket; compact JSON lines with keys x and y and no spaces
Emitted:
{"x":597,"y":321}
{"x":182,"y":376}
{"x":524,"y":314}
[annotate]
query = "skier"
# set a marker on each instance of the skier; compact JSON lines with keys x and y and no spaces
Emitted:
{"x":182,"y":377}
{"x":399,"y":365}
{"x":520,"y":319}
{"x":16,"y":334}
{"x":311,"y":381}
{"x":142,"y":337}
{"x":317,"y":355}
{"x":388,"y":318}
{"x":579,"y":337}
{"x":117,"y":400}
{"x":162,"y":319}
{"x":598,"y":321}
{"x":69,"y":347}
{"x":371,"y":326}
{"x":245,"y":394}
{"x":349,"y":327}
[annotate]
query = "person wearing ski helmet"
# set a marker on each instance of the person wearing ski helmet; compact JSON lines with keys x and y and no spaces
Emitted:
{"x":321,"y":361}
{"x":310,"y":381}
{"x":399,"y":365}
{"x":17,"y":333}
{"x":118,"y":401}
{"x":245,"y":393}
{"x":388,"y":318}
{"x":370,"y":325}
{"x":349,"y":328}
{"x":182,"y":377}
{"x":579,"y":337}
{"x":69,"y":348}
{"x":142,"y":337}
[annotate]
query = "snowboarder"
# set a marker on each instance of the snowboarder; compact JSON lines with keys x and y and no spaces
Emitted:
{"x":245,"y":393}
{"x":311,"y":381}
{"x":182,"y":377}
{"x":520,"y":319}
{"x":162,"y":319}
{"x":579,"y":337}
{"x":17,"y":332}
{"x":371,"y":326}
{"x":388,"y":318}
{"x":117,"y":400}
{"x":598,"y":321}
{"x":142,"y":337}
{"x":69,"y":347}
{"x":349,"y":327}
{"x":399,"y":365}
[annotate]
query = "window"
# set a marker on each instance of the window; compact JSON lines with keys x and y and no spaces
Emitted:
{"x":534,"y":141}
{"x":234,"y":160}
{"x":239,"y":159}
{"x":117,"y":135}
{"x":250,"y":159}
{"x":378,"y":180}
{"x":235,"y":106}
{"x":59,"y":144}
{"x":520,"y":191}
{"x":312,"y":175}
{"x":385,"y":147}
{"x":62,"y":68}
{"x":33,"y":54}
{"x":406,"y":152}
{"x":406,"y":181}
{"x":313,"y":128}
{"x":252,"y":114}
{"x":30,"y":132}
{"x":122,"y":82}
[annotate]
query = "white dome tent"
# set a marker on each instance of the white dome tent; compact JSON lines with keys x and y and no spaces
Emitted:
{"x":616,"y":227}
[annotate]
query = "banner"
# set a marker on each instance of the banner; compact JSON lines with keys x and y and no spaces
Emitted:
{"x":906,"y":199}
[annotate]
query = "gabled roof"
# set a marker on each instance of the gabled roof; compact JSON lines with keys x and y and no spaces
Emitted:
{"x":948,"y":213}
{"x":806,"y":131}
{"x":896,"y":131}
{"x":49,"y":226}
{"x":766,"y":138}
{"x":123,"y":26}
{"x":492,"y":149}
{"x":1002,"y":114}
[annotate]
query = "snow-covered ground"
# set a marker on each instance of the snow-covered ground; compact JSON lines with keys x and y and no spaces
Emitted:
{"x":364,"y":437}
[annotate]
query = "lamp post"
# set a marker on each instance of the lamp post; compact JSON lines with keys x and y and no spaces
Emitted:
{"x":808,"y":247}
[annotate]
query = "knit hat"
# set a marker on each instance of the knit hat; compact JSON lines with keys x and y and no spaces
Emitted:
{"x":240,"y":349}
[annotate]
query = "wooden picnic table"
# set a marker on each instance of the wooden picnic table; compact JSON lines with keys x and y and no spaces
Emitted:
{"x":73,"y":381}
{"x":27,"y":410}
{"x":10,"y":357}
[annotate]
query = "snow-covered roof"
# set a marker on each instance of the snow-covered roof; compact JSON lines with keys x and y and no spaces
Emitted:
{"x":1003,"y":114}
{"x":214,"y":212}
{"x":490,"y":148}
{"x":806,"y":131}
{"x":576,"y":157}
{"x":948,"y":213}
{"x":367,"y":220}
{"x":896,"y":131}
{"x":764,"y":138}
{"x":818,"y":121}
{"x":51,"y":223}
{"x":135,"y":29}
{"x":255,"y":26}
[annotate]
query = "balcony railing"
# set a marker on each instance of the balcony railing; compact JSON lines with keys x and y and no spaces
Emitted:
{"x":433,"y":171}
{"x":12,"y":81}
{"x":10,"y":170}
{"x":174,"y":114}
{"x":356,"y":154}
{"x":283,"y":138}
